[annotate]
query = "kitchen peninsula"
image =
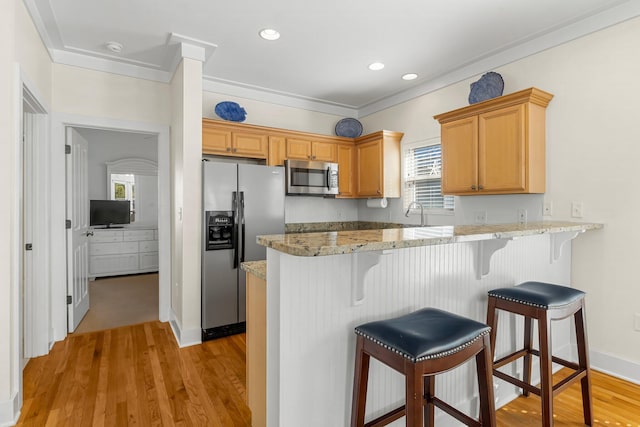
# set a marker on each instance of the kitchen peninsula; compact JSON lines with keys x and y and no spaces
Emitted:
{"x":321,"y":285}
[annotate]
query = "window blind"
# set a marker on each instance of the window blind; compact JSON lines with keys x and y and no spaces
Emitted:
{"x":423,"y":168}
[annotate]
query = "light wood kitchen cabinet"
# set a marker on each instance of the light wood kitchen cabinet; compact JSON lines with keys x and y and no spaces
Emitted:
{"x":215,"y":141}
{"x":233,"y":143}
{"x":378,"y":164}
{"x":496,"y":146}
{"x":302,"y":149}
{"x":277,"y":151}
{"x":346,"y":168}
{"x":368,"y":166}
{"x":256,"y":349}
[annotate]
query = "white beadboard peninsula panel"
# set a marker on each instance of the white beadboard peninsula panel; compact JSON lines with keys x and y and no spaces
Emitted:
{"x":311,"y":343}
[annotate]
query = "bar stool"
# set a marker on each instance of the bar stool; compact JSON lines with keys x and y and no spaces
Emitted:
{"x":420,"y":345}
{"x":543,"y":302}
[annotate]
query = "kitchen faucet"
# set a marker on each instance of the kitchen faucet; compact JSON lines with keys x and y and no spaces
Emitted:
{"x":411,"y":205}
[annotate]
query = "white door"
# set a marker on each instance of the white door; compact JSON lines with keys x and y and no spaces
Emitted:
{"x":77,"y":241}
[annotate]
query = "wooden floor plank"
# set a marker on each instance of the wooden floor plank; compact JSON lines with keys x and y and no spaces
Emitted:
{"x":137,"y":375}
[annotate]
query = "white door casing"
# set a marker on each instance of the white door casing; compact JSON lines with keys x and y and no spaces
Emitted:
{"x":77,"y":241}
{"x":34,"y":223}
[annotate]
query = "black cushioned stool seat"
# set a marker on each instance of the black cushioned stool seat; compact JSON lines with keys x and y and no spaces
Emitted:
{"x":420,"y":345}
{"x":543,"y":302}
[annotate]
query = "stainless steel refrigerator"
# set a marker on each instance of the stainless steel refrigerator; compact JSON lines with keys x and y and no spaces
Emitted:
{"x":240,"y":202}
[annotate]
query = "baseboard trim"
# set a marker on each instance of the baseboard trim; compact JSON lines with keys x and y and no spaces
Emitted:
{"x":615,"y":366}
{"x":185,"y":338}
{"x":10,"y":410}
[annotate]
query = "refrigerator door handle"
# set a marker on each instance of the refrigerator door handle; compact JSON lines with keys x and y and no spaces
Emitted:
{"x":234,"y":204}
{"x":242,"y":239}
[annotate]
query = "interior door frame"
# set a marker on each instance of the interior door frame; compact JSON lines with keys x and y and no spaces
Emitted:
{"x":27,"y":330}
{"x":34,"y":215}
{"x":58,"y":258}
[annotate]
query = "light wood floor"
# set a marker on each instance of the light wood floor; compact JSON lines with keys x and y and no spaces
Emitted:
{"x":136,"y":375}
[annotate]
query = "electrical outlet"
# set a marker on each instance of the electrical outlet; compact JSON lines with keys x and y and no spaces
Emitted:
{"x":547,"y":209}
{"x":480,"y":217}
{"x":577,"y":209}
{"x":636,"y":322}
{"x":522,"y":216}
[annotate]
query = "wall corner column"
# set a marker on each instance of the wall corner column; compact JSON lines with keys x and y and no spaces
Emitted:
{"x":186,"y":190}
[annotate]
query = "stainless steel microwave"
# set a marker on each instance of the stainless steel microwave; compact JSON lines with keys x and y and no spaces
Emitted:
{"x":308,"y":178}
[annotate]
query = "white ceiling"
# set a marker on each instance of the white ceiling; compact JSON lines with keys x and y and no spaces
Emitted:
{"x":321,"y":60}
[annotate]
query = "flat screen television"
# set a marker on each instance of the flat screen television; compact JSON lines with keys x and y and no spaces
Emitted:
{"x":109,"y":212}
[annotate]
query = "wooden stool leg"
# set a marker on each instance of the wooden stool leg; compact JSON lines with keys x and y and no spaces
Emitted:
{"x":360,"y":380}
{"x":546,"y":384}
{"x":528,"y":346}
{"x":492,"y":321}
{"x":583,"y":362}
{"x":484,"y":366}
{"x":414,"y":398}
{"x":429,"y":408}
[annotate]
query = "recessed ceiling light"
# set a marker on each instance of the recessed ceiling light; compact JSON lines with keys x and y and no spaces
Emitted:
{"x":269,"y":34}
{"x":410,"y":76}
{"x":376,"y":66}
{"x":114,"y":47}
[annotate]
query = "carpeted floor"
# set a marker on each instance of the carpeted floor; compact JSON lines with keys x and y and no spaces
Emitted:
{"x":120,"y":301}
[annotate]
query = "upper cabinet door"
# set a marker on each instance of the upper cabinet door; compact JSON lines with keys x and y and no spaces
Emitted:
{"x":346,"y":170}
{"x":250,"y":145}
{"x":459,"y":140}
{"x":501,"y":153}
{"x":298,"y":149}
{"x":324,"y":151}
{"x":370,"y":169}
{"x":216,"y":141}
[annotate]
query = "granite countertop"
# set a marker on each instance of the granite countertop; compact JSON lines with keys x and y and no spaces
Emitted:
{"x":345,"y":242}
{"x":257,"y":268}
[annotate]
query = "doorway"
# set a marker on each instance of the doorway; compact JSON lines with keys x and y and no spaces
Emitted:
{"x":120,"y":269}
{"x":60,"y":127}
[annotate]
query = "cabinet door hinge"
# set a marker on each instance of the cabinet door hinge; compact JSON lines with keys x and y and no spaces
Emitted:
{"x":67,"y":149}
{"x":67,"y":224}
{"x":69,"y":299}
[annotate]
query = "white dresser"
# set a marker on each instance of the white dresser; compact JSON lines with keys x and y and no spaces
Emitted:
{"x":123,"y":251}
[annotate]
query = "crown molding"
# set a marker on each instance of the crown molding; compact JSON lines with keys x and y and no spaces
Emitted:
{"x":109,"y":66}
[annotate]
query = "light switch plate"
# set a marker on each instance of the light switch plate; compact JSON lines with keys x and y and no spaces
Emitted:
{"x":577,"y":209}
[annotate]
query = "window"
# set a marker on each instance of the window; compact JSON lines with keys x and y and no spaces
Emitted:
{"x":422,"y":169}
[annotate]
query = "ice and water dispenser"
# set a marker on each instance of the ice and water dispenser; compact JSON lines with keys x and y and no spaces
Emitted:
{"x":219,"y":232}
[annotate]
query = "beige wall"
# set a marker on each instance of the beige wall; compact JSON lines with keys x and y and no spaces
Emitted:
{"x":96,"y":94}
{"x":592,"y":156}
{"x":273,"y":115}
